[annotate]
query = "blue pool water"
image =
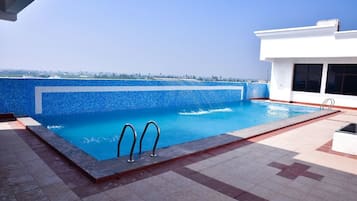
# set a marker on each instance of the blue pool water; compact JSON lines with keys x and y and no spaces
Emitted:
{"x":98,"y":134}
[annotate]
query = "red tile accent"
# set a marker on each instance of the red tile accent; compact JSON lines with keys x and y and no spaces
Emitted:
{"x":327,"y":148}
{"x":312,"y":175}
{"x":249,"y":197}
{"x":297,"y":168}
{"x":7,"y":117}
{"x":287,"y":175}
{"x":277,"y":165}
{"x":294,"y":170}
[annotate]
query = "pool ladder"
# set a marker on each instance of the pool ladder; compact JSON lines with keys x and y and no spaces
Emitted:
{"x":328,"y":103}
{"x":153,"y":153}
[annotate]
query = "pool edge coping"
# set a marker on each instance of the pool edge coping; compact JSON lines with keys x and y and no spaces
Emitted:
{"x":103,"y":170}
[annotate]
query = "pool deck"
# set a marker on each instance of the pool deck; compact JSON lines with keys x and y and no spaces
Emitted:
{"x":293,"y":163}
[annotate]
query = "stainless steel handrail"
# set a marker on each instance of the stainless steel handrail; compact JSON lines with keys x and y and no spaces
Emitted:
{"x":153,"y":154}
{"x":325,"y":103}
{"x":131,"y":160}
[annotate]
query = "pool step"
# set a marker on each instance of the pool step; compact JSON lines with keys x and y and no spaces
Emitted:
{"x":328,"y":103}
{"x":153,"y":154}
{"x":131,"y":160}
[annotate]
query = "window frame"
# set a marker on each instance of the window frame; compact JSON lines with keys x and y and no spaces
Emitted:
{"x":342,"y":79}
{"x":308,"y":77}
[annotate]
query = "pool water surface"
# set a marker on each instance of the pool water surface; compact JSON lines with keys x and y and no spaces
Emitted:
{"x":98,"y":134}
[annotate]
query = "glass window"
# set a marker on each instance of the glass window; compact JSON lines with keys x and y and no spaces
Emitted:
{"x":342,"y":79}
{"x":307,"y":77}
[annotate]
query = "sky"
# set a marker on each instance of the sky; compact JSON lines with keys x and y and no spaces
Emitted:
{"x":171,"y":37}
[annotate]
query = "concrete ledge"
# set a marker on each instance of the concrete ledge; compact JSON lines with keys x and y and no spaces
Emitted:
{"x":345,"y":139}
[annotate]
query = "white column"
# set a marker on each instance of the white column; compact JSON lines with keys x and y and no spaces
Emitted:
{"x":323,"y":78}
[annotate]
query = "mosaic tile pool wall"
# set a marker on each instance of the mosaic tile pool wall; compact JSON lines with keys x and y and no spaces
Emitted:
{"x":66,"y":96}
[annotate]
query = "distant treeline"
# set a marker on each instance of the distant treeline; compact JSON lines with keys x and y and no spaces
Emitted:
{"x":109,"y":75}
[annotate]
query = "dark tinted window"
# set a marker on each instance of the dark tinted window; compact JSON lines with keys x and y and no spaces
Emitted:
{"x":307,"y":77}
{"x":342,"y":79}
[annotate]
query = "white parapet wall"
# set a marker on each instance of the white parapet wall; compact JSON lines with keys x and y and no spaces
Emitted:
{"x":320,"y":41}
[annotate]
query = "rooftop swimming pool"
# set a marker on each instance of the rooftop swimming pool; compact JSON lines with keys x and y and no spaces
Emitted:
{"x":97,"y":134}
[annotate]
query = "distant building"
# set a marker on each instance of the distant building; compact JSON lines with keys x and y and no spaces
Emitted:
{"x":310,"y":64}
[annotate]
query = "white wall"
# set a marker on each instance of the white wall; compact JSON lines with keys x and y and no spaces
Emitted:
{"x":282,"y":79}
{"x":317,"y":98}
{"x":309,"y":47}
{"x":320,"y":41}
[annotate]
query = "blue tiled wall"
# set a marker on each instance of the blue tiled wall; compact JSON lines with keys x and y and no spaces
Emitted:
{"x":18,"y":95}
{"x":257,"y":90}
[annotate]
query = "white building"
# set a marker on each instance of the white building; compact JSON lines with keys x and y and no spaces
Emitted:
{"x":310,"y":64}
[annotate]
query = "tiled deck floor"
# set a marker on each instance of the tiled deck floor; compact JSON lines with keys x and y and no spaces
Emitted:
{"x":287,"y":165}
